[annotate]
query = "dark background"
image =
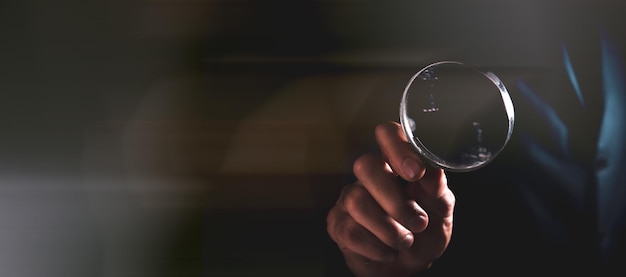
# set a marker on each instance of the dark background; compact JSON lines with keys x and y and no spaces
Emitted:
{"x":210,"y":137}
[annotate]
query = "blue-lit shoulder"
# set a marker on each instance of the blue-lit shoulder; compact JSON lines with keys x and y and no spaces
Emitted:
{"x":613,"y":127}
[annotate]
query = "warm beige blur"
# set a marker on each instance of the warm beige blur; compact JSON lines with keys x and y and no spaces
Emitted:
{"x":145,"y":138}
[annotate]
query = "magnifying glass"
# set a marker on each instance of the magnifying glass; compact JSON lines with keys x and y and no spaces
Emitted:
{"x":456,"y":116}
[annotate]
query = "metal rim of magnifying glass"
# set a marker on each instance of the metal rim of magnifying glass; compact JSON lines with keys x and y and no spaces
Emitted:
{"x":430,"y":157}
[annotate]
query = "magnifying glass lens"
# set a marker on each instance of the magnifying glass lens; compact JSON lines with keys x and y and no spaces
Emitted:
{"x":456,"y":116}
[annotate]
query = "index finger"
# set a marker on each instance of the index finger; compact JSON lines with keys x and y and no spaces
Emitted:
{"x":396,"y":148}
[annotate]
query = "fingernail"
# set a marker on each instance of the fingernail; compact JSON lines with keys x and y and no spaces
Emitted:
{"x":410,"y":168}
{"x":405,"y":242}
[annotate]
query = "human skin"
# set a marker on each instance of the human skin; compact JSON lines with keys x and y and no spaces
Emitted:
{"x":396,"y":219}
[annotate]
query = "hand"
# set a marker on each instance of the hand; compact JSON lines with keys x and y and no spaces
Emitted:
{"x":385,"y":226}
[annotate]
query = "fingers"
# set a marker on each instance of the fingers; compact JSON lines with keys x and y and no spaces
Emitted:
{"x":433,"y":194}
{"x":437,"y":199}
{"x":396,"y":148}
{"x":381,"y":183}
{"x":365,"y":211}
{"x":432,"y":185}
{"x":377,"y":222}
{"x":353,"y":238}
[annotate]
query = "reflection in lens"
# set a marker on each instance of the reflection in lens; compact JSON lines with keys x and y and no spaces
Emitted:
{"x":456,"y":116}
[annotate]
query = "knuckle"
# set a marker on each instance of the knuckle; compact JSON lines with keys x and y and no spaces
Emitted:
{"x":330,"y":229}
{"x":444,"y":206}
{"x":448,"y":200}
{"x":331,"y":222}
{"x":354,"y":233}
{"x":356,"y":199}
{"x":363,"y":164}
